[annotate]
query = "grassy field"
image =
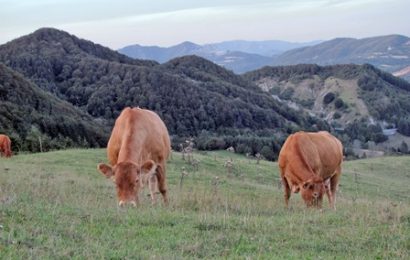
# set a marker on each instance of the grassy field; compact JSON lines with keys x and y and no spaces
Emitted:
{"x":57,"y":206}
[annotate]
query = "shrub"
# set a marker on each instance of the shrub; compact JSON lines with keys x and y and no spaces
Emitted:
{"x":337,"y":115}
{"x":268,"y":153}
{"x":340,"y":104}
{"x":287,"y":94}
{"x":329,"y":97}
{"x":404,"y":147}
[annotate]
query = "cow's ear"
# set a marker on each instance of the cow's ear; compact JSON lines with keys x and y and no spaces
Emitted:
{"x":106,"y":170}
{"x":307,"y":185}
{"x":149,"y":167}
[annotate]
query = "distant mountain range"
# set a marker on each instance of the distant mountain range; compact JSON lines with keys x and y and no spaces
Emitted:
{"x":238,"y":56}
{"x":390,"y":53}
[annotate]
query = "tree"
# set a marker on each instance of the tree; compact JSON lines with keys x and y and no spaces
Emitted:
{"x":329,"y":97}
{"x":403,"y":147}
{"x":267,"y":152}
{"x":339,"y":103}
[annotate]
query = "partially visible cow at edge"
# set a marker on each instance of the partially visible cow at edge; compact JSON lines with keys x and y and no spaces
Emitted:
{"x":5,"y":146}
{"x":137,"y":151}
{"x":311,"y":163}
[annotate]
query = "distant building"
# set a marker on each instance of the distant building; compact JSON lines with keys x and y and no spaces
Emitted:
{"x":389,"y":132}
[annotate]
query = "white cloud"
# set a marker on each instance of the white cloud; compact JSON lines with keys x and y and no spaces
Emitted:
{"x":169,"y":22}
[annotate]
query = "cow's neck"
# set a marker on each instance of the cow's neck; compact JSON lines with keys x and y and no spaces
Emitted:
{"x":303,"y":175}
{"x":132,"y":153}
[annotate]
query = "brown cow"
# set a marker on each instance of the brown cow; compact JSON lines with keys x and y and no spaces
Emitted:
{"x":5,"y":146}
{"x":311,"y":163}
{"x":137,"y":150}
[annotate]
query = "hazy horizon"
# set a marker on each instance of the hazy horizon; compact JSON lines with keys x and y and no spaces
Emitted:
{"x":166,"y":23}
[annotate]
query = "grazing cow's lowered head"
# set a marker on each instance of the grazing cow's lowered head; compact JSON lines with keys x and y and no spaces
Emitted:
{"x":312,"y":191}
{"x":5,"y":146}
{"x":128,"y":178}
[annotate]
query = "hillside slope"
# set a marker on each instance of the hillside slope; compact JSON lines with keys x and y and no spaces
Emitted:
{"x":27,"y":114}
{"x":191,"y":94}
{"x":343,"y":95}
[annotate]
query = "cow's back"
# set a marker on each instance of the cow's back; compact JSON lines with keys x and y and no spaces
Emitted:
{"x":318,"y":152}
{"x":330,"y":151}
{"x":298,"y":156}
{"x":138,"y":135}
{"x":3,"y":138}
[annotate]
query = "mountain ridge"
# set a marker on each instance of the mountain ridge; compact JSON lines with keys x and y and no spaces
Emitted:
{"x":390,"y":53}
{"x":237,"y":55}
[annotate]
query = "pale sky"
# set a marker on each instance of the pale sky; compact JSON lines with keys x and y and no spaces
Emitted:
{"x":118,"y":23}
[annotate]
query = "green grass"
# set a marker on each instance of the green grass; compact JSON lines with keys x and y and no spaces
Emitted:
{"x":56,"y":205}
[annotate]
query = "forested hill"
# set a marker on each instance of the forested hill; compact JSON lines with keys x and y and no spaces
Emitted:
{"x":53,"y":44}
{"x":194,"y":96}
{"x":27,"y":114}
{"x":350,"y":97}
{"x":50,"y":58}
{"x":240,"y":92}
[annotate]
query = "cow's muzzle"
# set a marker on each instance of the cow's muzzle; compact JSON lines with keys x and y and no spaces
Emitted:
{"x":123,"y":203}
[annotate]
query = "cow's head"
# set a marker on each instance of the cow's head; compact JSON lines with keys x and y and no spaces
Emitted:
{"x":312,"y":191}
{"x":127,"y":177}
{"x":8,"y":153}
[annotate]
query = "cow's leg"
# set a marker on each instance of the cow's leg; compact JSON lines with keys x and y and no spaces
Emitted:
{"x":162,"y":186}
{"x":287,"y":189}
{"x":334,"y":182}
{"x":328,"y":191}
{"x":152,"y":185}
{"x":137,"y":201}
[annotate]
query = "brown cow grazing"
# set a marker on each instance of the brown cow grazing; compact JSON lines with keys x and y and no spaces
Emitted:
{"x":5,"y":146}
{"x":311,"y":163}
{"x":137,"y":151}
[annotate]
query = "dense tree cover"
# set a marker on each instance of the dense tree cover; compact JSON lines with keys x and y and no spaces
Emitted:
{"x":304,"y":71}
{"x":387,"y":97}
{"x":27,"y":48}
{"x":265,"y":142}
{"x":403,"y":126}
{"x":37,"y":120}
{"x":361,"y":130}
